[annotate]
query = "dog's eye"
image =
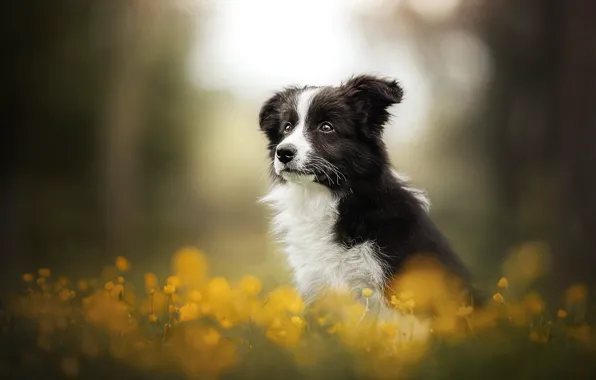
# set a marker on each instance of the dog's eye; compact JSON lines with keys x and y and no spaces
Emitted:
{"x":287,"y":127}
{"x":325,"y":127}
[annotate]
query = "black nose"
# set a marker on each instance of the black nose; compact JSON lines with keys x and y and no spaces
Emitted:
{"x":285,"y":153}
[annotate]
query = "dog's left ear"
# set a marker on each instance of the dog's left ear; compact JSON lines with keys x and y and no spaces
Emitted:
{"x":371,"y":97}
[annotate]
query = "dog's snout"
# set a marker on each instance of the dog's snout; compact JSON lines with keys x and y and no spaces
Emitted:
{"x":285,"y":153}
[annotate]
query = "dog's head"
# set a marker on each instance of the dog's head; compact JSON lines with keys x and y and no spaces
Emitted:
{"x":329,"y":135}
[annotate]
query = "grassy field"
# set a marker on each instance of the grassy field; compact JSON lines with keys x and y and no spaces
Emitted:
{"x":191,"y":325}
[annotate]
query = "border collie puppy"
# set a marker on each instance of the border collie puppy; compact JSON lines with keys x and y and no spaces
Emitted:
{"x":347,"y":219}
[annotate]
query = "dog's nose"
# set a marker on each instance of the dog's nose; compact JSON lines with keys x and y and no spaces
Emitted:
{"x":285,"y":153}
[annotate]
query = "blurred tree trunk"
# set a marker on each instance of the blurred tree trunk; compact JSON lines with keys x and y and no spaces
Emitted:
{"x":576,"y":137}
{"x":542,"y":128}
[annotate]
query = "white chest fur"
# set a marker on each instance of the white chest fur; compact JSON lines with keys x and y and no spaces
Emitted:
{"x":305,"y":215}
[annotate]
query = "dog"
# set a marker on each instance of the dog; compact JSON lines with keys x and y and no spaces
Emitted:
{"x":347,"y":219}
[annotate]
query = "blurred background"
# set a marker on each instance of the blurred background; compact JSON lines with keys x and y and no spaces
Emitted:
{"x":130,"y":127}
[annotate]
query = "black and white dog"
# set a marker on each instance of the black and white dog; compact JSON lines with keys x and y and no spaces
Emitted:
{"x":347,"y":219}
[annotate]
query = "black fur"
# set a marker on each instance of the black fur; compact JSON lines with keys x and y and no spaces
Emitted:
{"x":373,"y":203}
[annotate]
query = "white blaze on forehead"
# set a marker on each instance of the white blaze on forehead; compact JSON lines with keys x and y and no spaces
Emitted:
{"x":298,"y":136}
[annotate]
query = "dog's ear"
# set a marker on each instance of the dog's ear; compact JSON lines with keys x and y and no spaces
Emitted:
{"x":371,"y":96}
{"x":269,"y":114}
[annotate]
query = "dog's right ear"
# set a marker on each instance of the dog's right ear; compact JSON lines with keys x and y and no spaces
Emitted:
{"x":269,"y":118}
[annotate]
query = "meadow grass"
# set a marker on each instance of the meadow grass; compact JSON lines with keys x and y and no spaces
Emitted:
{"x":191,"y":325}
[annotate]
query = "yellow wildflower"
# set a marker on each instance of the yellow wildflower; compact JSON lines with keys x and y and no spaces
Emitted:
{"x":404,"y":296}
{"x":117,"y":290}
{"x":576,"y":293}
{"x":464,"y":311}
{"x":109,"y":286}
{"x":120,"y":280}
{"x":174,"y":280}
{"x":534,"y":303}
{"x":225,"y":323}
{"x":389,"y":330}
{"x":195,"y":296}
{"x":367,"y":292}
{"x":250,"y":285}
{"x":296,"y":320}
{"x":561,"y":313}
{"x":189,"y":312}
{"x":409,"y":304}
{"x":169,"y":289}
{"x":211,"y":337}
{"x":538,"y":337}
{"x":65,"y":294}
{"x":82,"y":285}
{"x":44,"y":272}
{"x":498,"y":297}
{"x":122,"y":264}
{"x":28,"y":277}
{"x":150,"y":281}
{"x":503,"y":283}
{"x":218,"y":287}
{"x":153,"y":318}
{"x":190,"y":266}
{"x":206,"y":308}
{"x":41,"y":281}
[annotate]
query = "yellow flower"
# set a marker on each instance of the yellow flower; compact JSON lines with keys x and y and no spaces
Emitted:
{"x":120,"y":280}
{"x":533,"y":303}
{"x":189,"y":312}
{"x":498,"y":297}
{"x":250,"y":285}
{"x":117,"y":290}
{"x":218,"y":287}
{"x":190,"y":265}
{"x":169,"y":289}
{"x":41,"y":281}
{"x":122,"y":264}
{"x":576,"y":293}
{"x":409,"y":304}
{"x":211,"y":337}
{"x":367,"y":292}
{"x":388,"y":329}
{"x":65,"y":294}
{"x":109,"y":286}
{"x":296,"y":320}
{"x":225,"y":323}
{"x":150,"y":281}
{"x":153,"y":318}
{"x":537,"y":337}
{"x":464,"y":311}
{"x":404,"y":296}
{"x":561,"y":313}
{"x":28,"y":277}
{"x":195,"y":296}
{"x":44,"y":272}
{"x":82,"y":285}
{"x":503,"y":283}
{"x":173,"y":280}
